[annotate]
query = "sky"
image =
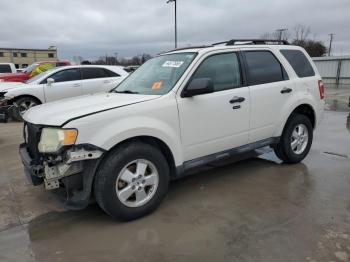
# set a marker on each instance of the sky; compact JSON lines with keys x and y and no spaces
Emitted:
{"x":94,"y":28}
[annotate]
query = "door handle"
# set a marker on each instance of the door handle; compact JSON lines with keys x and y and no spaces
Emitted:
{"x":286,"y":90}
{"x":76,"y":85}
{"x":236,"y":107}
{"x":106,"y":82}
{"x":237,"y":99}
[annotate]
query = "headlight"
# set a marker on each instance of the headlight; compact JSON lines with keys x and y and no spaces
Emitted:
{"x":52,"y":139}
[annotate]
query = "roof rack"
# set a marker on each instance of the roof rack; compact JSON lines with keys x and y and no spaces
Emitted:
{"x":184,"y":48}
{"x":253,"y":42}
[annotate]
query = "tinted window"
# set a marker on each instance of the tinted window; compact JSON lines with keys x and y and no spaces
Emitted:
{"x":60,"y":64}
{"x":51,"y":55}
{"x":111,"y":73}
{"x":66,"y":75}
{"x":92,"y":72}
{"x":299,"y":62}
{"x":5,"y":69}
{"x":222,"y":69}
{"x":263,"y":67}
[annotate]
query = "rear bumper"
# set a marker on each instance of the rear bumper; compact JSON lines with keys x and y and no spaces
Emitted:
{"x":33,"y":172}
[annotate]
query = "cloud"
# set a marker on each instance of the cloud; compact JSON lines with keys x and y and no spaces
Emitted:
{"x":91,"y":28}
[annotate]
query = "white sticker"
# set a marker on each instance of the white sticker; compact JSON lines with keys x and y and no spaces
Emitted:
{"x":173,"y":63}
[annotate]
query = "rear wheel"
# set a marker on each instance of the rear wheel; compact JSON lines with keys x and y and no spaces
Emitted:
{"x":132,"y":181}
{"x":23,"y":104}
{"x":296,"y":139}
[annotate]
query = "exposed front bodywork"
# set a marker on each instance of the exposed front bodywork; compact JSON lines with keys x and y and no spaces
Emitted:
{"x":72,"y":168}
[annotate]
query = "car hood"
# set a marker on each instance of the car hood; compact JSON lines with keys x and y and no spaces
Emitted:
{"x":59,"y":112}
{"x":5,"y":86}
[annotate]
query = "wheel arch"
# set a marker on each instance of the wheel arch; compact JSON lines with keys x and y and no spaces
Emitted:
{"x":304,"y":109}
{"x":25,"y":95}
{"x":153,"y":141}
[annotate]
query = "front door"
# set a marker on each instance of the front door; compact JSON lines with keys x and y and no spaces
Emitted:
{"x":214,"y":122}
{"x":67,"y":84}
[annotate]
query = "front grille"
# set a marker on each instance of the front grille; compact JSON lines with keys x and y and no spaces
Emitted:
{"x":32,"y":135}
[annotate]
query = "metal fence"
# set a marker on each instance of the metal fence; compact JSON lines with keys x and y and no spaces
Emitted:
{"x":335,"y":70}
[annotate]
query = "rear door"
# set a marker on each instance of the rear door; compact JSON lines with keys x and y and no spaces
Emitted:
{"x":214,"y":122}
{"x":97,"y":79}
{"x":67,"y":84}
{"x":270,"y":90}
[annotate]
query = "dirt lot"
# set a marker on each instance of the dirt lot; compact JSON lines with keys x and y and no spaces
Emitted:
{"x":254,"y":210}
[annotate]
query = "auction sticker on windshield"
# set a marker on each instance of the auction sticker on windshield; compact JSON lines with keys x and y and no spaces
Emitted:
{"x":172,"y":63}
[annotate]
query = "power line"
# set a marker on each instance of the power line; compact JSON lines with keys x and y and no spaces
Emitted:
{"x":280,"y":31}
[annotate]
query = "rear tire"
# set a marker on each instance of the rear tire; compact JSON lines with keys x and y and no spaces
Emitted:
{"x":296,"y":139}
{"x":132,"y":181}
{"x":23,"y":104}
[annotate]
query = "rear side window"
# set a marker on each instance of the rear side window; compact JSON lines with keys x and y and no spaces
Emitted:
{"x":222,"y":69}
{"x":263,"y":67}
{"x":299,"y":62}
{"x":111,"y":73}
{"x":5,"y":69}
{"x":93,"y":72}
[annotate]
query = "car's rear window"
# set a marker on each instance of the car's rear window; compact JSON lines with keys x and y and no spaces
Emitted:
{"x":299,"y":62}
{"x":5,"y":69}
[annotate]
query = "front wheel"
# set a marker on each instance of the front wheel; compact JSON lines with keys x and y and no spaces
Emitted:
{"x":132,"y":181}
{"x":296,"y":139}
{"x":23,"y":104}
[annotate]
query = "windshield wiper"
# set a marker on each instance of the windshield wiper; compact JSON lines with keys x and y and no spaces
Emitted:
{"x":126,"y":92}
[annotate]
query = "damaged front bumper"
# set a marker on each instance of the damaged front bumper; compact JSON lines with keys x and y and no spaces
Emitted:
{"x":5,"y":112}
{"x":73,"y":169}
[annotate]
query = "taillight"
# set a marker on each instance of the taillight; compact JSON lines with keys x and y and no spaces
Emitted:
{"x":321,"y":89}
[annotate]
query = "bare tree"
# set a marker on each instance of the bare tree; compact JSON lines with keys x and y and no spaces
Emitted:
{"x":301,"y":32}
{"x":78,"y":59}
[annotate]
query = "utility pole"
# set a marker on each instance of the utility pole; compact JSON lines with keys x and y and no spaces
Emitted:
{"x":330,"y":44}
{"x":280,"y":33}
{"x":169,"y":1}
{"x":116,"y":58}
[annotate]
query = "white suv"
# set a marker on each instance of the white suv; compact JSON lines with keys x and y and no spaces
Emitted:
{"x":180,"y":110}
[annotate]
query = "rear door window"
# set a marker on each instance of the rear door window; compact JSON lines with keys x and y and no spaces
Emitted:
{"x":263,"y":67}
{"x":299,"y":62}
{"x":5,"y":69}
{"x":93,"y":73}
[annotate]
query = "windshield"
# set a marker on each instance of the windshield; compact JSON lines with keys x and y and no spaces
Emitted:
{"x":30,"y":68}
{"x":39,"y":76}
{"x":157,"y":76}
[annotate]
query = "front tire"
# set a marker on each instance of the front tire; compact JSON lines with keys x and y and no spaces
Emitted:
{"x":23,"y":104}
{"x":296,"y":139}
{"x":132,"y":181}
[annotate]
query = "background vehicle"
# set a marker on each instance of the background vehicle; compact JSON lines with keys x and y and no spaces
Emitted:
{"x":59,"y":83}
{"x":7,"y":68}
{"x":32,"y":70}
{"x":178,"y":111}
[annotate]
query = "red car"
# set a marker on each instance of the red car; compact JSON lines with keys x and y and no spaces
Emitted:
{"x":32,"y":70}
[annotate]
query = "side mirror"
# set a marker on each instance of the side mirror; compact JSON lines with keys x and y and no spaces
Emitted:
{"x":198,"y":86}
{"x":50,"y":81}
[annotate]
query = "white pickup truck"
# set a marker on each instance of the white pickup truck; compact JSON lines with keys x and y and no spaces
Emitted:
{"x":178,"y":111}
{"x":7,"y":68}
